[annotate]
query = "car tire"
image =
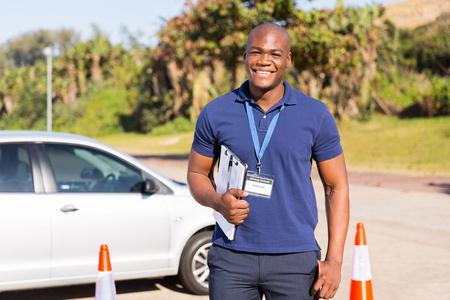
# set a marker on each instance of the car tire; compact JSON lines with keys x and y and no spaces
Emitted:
{"x":193,"y":270}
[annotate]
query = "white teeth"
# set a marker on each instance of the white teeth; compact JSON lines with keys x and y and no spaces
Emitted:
{"x":262,"y":72}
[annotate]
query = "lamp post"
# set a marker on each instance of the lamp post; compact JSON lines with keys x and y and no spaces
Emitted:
{"x":48,"y":53}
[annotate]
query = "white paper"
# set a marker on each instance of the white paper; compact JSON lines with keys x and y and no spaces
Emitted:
{"x":229,"y":176}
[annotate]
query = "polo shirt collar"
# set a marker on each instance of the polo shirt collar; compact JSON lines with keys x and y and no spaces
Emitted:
{"x":288,"y":98}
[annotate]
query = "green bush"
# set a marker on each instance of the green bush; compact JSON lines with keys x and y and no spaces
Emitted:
{"x":100,"y":112}
{"x":30,"y":111}
{"x":404,"y":88}
{"x":65,"y":116}
{"x":149,"y":118}
{"x":438,"y":97}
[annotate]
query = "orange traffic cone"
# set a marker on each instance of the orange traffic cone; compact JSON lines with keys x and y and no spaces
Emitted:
{"x":361,"y":284}
{"x":105,"y":289}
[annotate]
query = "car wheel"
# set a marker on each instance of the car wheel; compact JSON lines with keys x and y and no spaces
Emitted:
{"x":194,"y":271}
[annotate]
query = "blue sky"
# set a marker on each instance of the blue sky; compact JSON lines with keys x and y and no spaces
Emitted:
{"x":144,"y":16}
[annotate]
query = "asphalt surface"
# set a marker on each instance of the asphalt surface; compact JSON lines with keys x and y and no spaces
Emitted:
{"x":407,"y":223}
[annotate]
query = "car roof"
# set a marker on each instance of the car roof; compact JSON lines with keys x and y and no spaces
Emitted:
{"x":43,"y":136}
{"x":14,"y":136}
{"x":11,"y":136}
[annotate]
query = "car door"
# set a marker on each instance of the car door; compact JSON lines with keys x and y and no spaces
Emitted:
{"x":97,"y":201}
{"x":25,"y":232}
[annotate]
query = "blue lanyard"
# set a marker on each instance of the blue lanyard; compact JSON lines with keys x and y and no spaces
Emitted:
{"x":259,"y":151}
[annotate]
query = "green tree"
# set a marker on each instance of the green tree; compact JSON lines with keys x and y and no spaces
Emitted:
{"x":207,"y":38}
{"x":27,"y":48}
{"x":427,"y":47}
{"x":25,"y":98}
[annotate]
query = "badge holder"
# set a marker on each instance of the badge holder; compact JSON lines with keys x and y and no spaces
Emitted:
{"x":259,"y":184}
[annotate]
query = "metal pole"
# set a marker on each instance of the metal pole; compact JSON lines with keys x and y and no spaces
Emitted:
{"x":48,"y":53}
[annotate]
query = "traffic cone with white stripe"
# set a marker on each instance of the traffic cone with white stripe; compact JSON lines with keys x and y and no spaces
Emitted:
{"x":361,"y":284}
{"x":105,"y":288}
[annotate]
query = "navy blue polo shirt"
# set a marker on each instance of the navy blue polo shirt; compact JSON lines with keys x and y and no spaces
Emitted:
{"x":305,"y":130}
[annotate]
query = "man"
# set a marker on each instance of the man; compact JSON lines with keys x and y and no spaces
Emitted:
{"x":274,"y":252}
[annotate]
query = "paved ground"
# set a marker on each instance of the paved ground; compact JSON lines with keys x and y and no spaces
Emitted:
{"x":407,"y":222}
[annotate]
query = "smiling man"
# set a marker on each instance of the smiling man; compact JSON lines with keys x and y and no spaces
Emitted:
{"x":266,"y":57}
{"x":277,"y":131}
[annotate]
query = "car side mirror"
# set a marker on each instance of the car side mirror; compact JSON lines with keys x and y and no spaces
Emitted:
{"x":150,"y":187}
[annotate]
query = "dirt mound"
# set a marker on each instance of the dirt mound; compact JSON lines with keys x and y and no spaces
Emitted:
{"x":413,"y":13}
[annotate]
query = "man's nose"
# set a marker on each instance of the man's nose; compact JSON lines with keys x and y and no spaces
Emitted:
{"x":264,"y":60}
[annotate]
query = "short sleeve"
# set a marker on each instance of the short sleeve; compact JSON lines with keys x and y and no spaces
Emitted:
{"x":328,"y":142}
{"x":204,"y":139}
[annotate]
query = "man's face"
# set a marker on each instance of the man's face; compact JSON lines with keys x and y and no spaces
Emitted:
{"x":266,"y":58}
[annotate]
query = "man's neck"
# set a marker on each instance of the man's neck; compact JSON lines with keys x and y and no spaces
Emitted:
{"x":267,"y":99}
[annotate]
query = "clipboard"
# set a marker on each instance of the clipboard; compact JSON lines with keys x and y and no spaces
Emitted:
{"x":231,"y":174}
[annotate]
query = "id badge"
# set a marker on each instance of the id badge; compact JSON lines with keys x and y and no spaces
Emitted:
{"x":259,"y":184}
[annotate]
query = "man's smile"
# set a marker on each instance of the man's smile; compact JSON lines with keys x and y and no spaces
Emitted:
{"x":263,"y":72}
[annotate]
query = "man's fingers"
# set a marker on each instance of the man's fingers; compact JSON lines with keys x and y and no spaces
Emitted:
{"x":234,"y":209}
{"x":316,"y":288}
{"x":238,"y":215}
{"x":238,"y":193}
{"x":324,"y":287}
{"x":235,"y":202}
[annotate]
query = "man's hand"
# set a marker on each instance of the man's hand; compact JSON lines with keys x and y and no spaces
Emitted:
{"x":233,"y":209}
{"x":202,"y":188}
{"x":328,"y":280}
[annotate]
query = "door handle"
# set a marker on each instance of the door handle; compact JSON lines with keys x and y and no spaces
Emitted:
{"x":68,"y":208}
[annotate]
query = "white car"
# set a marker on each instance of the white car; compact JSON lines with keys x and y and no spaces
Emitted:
{"x":62,"y":196}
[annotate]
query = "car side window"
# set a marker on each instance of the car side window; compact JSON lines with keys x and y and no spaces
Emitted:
{"x":82,"y":169}
{"x":15,"y":169}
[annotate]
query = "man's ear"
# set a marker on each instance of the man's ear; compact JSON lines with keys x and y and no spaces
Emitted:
{"x":289,"y":60}
{"x":244,"y":55}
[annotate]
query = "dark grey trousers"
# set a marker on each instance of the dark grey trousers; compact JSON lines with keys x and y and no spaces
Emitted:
{"x":238,"y":275}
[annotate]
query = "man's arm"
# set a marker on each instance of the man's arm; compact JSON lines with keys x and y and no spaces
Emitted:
{"x":333,"y":174}
{"x":201,"y":185}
